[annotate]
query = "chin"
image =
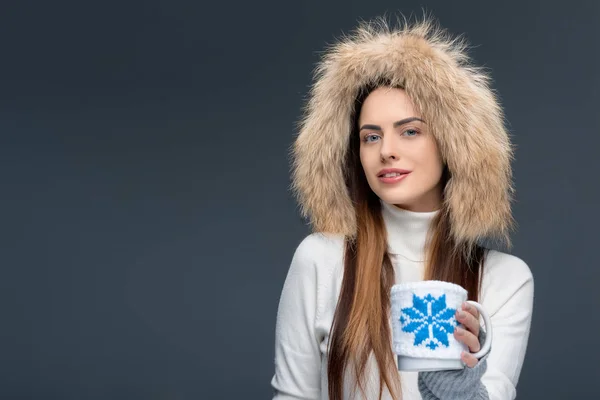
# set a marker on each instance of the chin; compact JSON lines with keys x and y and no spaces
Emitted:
{"x":408,"y":201}
{"x":396,"y":199}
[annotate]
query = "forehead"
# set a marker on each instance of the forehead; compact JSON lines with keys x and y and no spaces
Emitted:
{"x":387,"y":103}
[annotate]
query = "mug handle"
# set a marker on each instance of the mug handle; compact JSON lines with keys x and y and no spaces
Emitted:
{"x":487,"y":345}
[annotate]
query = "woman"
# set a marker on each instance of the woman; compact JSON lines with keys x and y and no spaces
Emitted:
{"x":402,"y":164}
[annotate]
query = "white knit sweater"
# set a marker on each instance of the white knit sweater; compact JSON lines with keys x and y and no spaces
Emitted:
{"x":312,"y":287}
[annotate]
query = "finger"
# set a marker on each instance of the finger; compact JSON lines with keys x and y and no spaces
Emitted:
{"x":469,"y":322}
{"x":469,"y":360}
{"x":468,"y":339}
{"x":471,"y":309}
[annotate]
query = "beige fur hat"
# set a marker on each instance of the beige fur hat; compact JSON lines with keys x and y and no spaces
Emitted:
{"x":451,"y":93}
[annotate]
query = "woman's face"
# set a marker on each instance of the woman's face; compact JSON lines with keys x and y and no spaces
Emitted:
{"x":394,"y":139}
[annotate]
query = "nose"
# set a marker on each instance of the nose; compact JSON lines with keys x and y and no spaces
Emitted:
{"x":388,"y":150}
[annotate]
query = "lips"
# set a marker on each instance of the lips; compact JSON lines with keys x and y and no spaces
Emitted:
{"x":392,"y":175}
{"x":389,"y":172}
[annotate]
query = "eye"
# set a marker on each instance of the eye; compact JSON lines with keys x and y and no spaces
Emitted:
{"x":370,"y":138}
{"x":410,"y":132}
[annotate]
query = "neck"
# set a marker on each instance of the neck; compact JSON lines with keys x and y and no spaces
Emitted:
{"x":407,"y":230}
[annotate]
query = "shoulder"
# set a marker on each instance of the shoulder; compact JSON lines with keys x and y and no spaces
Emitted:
{"x":315,"y":265}
{"x":507,"y":282}
{"x":506,"y":267}
{"x":318,"y":247}
{"x":316,"y":256}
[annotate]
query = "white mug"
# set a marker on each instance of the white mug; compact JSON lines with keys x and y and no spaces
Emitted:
{"x":423,"y":322}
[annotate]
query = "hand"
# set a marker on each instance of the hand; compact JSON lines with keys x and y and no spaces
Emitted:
{"x":469,"y":317}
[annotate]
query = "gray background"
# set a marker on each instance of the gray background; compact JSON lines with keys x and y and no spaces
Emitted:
{"x":146,"y":223}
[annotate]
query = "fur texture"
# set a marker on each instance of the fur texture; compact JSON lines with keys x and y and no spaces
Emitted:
{"x":452,"y":94}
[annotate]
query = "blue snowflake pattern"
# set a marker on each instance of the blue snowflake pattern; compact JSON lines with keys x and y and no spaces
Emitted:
{"x":430,"y":320}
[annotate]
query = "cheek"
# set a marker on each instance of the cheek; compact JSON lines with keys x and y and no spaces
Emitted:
{"x":364,"y":159}
{"x":438,"y":163}
{"x":433,"y":162}
{"x":369,"y":164}
{"x":430,"y":161}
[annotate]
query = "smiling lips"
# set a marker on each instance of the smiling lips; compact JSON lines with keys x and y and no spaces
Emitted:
{"x":392,"y":175}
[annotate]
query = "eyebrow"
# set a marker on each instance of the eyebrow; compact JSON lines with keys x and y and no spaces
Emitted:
{"x":396,"y":124}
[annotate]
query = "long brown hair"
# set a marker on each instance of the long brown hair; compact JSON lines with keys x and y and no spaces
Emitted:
{"x":361,"y":321}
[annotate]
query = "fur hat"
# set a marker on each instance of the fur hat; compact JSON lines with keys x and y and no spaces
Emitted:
{"x":452,"y":94}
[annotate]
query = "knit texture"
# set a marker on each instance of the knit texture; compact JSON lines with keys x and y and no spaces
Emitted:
{"x":423,"y":319}
{"x":464,"y":384}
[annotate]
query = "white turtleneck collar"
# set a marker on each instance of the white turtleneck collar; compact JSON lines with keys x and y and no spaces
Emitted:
{"x":406,"y":230}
